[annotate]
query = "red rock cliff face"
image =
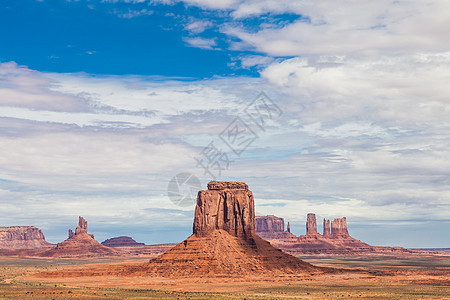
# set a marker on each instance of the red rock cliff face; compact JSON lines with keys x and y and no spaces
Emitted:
{"x":311,"y":224}
{"x":269,"y":224}
{"x":224,"y":240}
{"x":339,"y":227}
{"x":22,"y":237}
{"x":80,"y":244}
{"x":121,"y":241}
{"x":225,"y":205}
{"x":82,"y":226}
{"x":326,"y":228}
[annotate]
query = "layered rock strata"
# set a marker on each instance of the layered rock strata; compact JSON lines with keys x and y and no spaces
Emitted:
{"x":224,"y":240}
{"x":311,"y":224}
{"x":23,"y":237}
{"x":335,"y":240}
{"x":122,"y":241}
{"x":80,"y":244}
{"x":272,"y":227}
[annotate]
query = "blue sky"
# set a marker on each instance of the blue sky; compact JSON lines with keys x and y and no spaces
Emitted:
{"x":103,"y":102}
{"x":100,"y":38}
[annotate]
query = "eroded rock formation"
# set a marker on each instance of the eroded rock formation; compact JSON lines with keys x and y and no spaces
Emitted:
{"x":224,"y":240}
{"x":80,"y":244}
{"x":272,"y":227}
{"x":22,"y":237}
{"x":311,"y":224}
{"x":326,"y":228}
{"x":82,"y":226}
{"x":335,"y":240}
{"x":269,"y":224}
{"x":225,"y":205}
{"x":339,"y":227}
{"x":122,"y":241}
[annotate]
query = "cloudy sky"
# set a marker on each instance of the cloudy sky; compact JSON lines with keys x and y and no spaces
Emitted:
{"x":102,"y":103}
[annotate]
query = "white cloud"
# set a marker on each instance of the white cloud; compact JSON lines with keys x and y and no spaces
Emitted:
{"x":327,"y":151}
{"x":201,"y":43}
{"x":402,"y":91}
{"x":207,"y":4}
{"x":22,"y":87}
{"x":198,"y":26}
{"x":260,"y":61}
{"x":130,"y":13}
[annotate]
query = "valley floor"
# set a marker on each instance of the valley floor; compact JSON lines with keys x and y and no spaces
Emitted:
{"x":416,"y":277}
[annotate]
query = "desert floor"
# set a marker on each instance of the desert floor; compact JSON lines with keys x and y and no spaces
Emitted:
{"x":419,"y":277}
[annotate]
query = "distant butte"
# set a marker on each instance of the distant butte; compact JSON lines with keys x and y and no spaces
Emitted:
{"x":271,"y":227}
{"x":80,"y":244}
{"x":23,"y":237}
{"x":335,"y":239}
{"x":121,"y":241}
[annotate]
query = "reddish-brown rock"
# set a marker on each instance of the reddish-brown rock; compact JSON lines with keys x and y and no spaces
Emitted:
{"x":289,"y":227}
{"x":272,"y":227}
{"x":82,"y":226}
{"x":269,"y":224}
{"x":311,"y":224}
{"x":334,"y":242}
{"x":225,"y":205}
{"x":224,"y":240}
{"x":339,"y":227}
{"x":326,"y":228}
{"x":121,"y":241}
{"x":22,"y":237}
{"x":80,"y":244}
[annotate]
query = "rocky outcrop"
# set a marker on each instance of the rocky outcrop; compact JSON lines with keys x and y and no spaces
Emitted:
{"x":334,"y":241}
{"x":272,"y":227}
{"x":311,"y":224}
{"x":82,"y":226}
{"x":121,"y":241}
{"x":225,"y":205}
{"x":326,"y":228}
{"x":224,"y":240}
{"x":80,"y":244}
{"x":289,"y":227}
{"x":339,"y":227}
{"x":269,"y":224}
{"x":22,"y":237}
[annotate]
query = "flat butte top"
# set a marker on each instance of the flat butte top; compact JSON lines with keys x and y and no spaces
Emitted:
{"x":227,"y":185}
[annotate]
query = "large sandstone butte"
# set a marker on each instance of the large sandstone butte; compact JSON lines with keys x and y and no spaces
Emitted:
{"x":272,"y":227}
{"x":225,"y":205}
{"x":224,"y":240}
{"x":311,"y":224}
{"x":80,"y":244}
{"x":339,"y":227}
{"x":121,"y":241}
{"x":23,"y":237}
{"x":335,"y":240}
{"x":269,"y":224}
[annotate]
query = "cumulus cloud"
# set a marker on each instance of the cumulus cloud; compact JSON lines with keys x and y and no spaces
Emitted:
{"x":258,"y":61}
{"x":327,"y":151}
{"x":202,"y":43}
{"x":404,"y":91}
{"x":198,"y":26}
{"x":22,"y":87}
{"x":207,"y":4}
{"x":130,"y":13}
